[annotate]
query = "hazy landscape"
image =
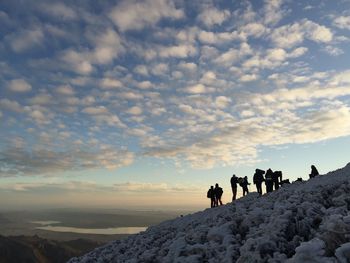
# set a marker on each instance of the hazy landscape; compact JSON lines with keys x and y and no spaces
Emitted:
{"x":20,"y":230}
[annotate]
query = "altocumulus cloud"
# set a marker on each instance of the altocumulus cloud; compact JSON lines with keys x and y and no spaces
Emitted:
{"x":96,"y":85}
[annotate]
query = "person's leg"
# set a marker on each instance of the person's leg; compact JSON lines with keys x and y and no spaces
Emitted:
{"x":258,"y":186}
{"x":234,"y":193}
{"x":220,"y":200}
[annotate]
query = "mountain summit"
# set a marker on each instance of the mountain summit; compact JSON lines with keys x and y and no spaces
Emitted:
{"x":301,"y":222}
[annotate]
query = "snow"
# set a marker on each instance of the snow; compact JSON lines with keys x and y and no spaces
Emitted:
{"x":301,"y":222}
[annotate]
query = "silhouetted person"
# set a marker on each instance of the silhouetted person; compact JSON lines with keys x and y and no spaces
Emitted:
{"x":234,"y":182}
{"x":211,"y":195}
{"x":277,"y":178}
{"x":244,"y":185}
{"x":258,"y":178}
{"x":314,"y":171}
{"x":269,"y":181}
{"x":218,"y":193}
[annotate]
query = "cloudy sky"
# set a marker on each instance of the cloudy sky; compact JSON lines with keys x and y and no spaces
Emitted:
{"x":143,"y":103}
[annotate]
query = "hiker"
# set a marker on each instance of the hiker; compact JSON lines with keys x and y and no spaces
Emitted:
{"x":244,"y":183}
{"x":234,"y":181}
{"x":218,"y":193}
{"x":211,"y":195}
{"x":258,"y":178}
{"x":269,"y":181}
{"x":314,"y":171}
{"x":277,"y":178}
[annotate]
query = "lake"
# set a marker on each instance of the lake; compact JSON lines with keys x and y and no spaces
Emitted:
{"x":46,"y":225}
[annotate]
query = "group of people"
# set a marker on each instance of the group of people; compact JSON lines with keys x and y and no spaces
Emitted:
{"x":273,"y":180}
{"x":215,"y":195}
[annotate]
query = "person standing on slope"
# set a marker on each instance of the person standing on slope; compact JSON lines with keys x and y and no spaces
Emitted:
{"x":277,"y":178}
{"x":234,"y":182}
{"x":314,"y":171}
{"x":258,"y":178}
{"x":218,"y":193}
{"x":269,"y":181}
{"x":244,"y":185}
{"x":211,"y":195}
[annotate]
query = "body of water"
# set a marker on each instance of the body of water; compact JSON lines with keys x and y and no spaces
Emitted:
{"x":48,"y":225}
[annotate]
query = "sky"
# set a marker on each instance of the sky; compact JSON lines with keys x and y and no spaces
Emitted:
{"x":147,"y":103}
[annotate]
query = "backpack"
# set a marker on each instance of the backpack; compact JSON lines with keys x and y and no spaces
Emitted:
{"x":220,"y":191}
{"x":209,"y":193}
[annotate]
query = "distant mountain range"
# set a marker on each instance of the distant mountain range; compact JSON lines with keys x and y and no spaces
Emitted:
{"x":25,"y":249}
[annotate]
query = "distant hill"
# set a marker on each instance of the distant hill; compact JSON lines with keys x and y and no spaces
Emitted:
{"x":301,"y":222}
{"x":24,"y":249}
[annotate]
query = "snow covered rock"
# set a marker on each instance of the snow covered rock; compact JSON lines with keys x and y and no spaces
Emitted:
{"x":302,"y":222}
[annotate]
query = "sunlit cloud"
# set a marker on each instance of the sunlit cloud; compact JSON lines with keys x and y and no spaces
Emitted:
{"x":203,"y":84}
{"x":129,"y":15}
{"x":19,"y":85}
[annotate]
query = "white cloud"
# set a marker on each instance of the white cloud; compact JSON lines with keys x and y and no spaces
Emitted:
{"x":134,"y":110}
{"x":181,"y":51}
{"x":222,"y":102}
{"x":248,"y":77}
{"x":41,"y":99}
{"x":197,"y":89}
{"x":38,"y":114}
{"x":276,"y":54}
{"x":188,"y":66}
{"x":47,"y":161}
{"x":233,"y":55}
{"x":78,"y":62}
{"x":95,"y":110}
{"x":160,"y":69}
{"x":26,"y":39}
{"x":290,"y":35}
{"x":141,"y":187}
{"x":130,"y":95}
{"x":342,"y":22}
{"x":273,"y":12}
{"x":19,"y":85}
{"x":254,"y":29}
{"x":108,"y":47}
{"x":141,"y":70}
{"x":333,"y":51}
{"x":59,"y":10}
{"x":145,"y":85}
{"x":108,"y":119}
{"x":110,"y":83}
{"x":65,"y":90}
{"x":133,"y":15}
{"x":220,"y":37}
{"x":10,"y":105}
{"x":317,"y":32}
{"x":298,"y":52}
{"x":211,"y":16}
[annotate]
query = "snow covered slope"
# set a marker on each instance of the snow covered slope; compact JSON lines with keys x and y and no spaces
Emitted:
{"x":302,"y":222}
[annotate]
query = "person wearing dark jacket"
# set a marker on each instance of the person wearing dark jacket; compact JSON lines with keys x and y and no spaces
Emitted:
{"x":218,"y":193}
{"x":211,"y":195}
{"x":258,"y":178}
{"x":234,"y":182}
{"x":244,"y":185}
{"x":277,"y":178}
{"x":314,"y":171}
{"x":269,"y":181}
